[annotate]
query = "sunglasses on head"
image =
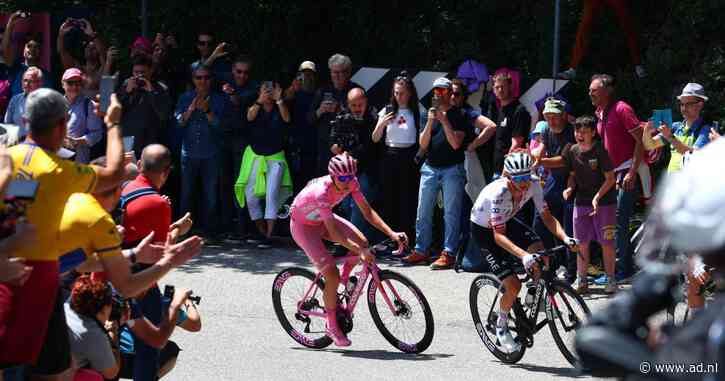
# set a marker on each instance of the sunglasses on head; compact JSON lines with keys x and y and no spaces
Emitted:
{"x":346,"y":178}
{"x":521,"y":178}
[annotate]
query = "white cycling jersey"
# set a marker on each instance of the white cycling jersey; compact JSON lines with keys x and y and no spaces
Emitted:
{"x":495,"y":205}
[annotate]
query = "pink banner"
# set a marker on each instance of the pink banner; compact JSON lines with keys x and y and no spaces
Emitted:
{"x":36,"y":24}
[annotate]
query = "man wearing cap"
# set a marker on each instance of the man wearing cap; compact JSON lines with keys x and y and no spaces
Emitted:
{"x":85,"y":129}
{"x":141,"y":46}
{"x":557,"y":137}
{"x":691,"y":134}
{"x":443,"y":170}
{"x":32,"y":80}
{"x":240,"y":93}
{"x":303,"y":137}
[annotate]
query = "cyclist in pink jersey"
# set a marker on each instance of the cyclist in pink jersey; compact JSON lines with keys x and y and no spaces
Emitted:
{"x":312,"y":221}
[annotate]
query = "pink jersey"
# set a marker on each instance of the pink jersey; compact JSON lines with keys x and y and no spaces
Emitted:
{"x":315,"y":202}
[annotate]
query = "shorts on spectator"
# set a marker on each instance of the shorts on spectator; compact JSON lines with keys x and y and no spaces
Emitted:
{"x":168,"y":352}
{"x":25,"y":314}
{"x":500,"y":262}
{"x":600,"y":227}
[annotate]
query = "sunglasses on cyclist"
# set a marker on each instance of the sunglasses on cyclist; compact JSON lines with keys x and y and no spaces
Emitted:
{"x":346,"y":178}
{"x":521,"y":178}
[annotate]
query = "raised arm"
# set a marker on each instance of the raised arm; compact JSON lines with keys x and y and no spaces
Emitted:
{"x":111,"y":175}
{"x":10,"y":51}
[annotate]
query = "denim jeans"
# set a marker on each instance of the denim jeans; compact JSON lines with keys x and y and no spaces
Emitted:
{"x":451,"y":181}
{"x":206,"y":170}
{"x":625,"y":207}
{"x":370,"y":191}
{"x":146,"y":361}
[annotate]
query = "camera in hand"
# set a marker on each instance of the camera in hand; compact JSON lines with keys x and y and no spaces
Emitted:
{"x":18,"y":195}
{"x":434,"y":103}
{"x":119,"y":305}
{"x":169,"y":293}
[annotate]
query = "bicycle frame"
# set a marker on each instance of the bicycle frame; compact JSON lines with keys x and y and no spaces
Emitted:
{"x":350,"y":301}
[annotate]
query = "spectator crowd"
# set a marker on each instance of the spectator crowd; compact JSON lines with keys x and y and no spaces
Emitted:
{"x":113,"y":191}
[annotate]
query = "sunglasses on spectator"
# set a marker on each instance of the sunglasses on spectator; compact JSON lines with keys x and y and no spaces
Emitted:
{"x":403,"y":78}
{"x":74,"y":83}
{"x":202,"y":77}
{"x":521,"y":178}
{"x":241,"y":71}
{"x":456,"y":93}
{"x":346,"y":178}
{"x":203,"y":42}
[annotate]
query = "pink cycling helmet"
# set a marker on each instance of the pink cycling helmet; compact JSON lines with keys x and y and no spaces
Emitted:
{"x":342,"y":165}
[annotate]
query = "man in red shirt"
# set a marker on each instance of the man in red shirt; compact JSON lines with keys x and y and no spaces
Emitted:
{"x":145,"y":209}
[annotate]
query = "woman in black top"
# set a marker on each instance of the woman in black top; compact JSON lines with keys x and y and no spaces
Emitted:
{"x":265,"y":173}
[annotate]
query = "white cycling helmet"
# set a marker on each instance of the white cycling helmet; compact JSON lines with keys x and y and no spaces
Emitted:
{"x":517,"y":163}
{"x":690,"y":207}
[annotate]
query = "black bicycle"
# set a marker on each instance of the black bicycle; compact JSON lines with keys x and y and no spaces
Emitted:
{"x":565,"y":310}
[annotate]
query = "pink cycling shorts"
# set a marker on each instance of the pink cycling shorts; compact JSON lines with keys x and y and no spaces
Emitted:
{"x":309,"y":238}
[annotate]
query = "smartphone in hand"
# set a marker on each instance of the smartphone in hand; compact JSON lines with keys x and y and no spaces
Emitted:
{"x":107,"y":87}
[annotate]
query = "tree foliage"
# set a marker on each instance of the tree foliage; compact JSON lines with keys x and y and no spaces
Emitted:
{"x":680,"y":39}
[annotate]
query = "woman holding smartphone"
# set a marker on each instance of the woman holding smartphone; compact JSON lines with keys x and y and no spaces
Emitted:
{"x":398,"y":127}
{"x":264,"y":173}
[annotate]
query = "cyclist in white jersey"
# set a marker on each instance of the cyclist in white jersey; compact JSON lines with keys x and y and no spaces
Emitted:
{"x":503,"y":240}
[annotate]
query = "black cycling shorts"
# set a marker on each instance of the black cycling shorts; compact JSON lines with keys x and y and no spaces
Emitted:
{"x":500,"y":262}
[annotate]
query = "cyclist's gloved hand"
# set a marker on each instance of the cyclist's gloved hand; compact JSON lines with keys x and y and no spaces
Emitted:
{"x":529,"y":261}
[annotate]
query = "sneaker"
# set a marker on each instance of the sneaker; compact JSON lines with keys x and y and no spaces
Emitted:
{"x":603,"y":280}
{"x":338,"y":337}
{"x":506,"y":341}
{"x":444,"y":261}
{"x":640,"y":72}
{"x":265,"y":244}
{"x":611,"y":288}
{"x":416,"y":258}
{"x":569,"y":74}
{"x":580,"y":286}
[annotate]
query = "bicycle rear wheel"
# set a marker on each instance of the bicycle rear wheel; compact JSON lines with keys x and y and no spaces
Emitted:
{"x":410,"y":326}
{"x":288,"y":291}
{"x":566,"y":312}
{"x":484,"y":298}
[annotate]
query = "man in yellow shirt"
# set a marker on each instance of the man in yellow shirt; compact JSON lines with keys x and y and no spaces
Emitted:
{"x":30,"y":311}
{"x":89,"y":234}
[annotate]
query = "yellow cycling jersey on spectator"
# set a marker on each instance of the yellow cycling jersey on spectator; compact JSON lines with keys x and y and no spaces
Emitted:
{"x":87,"y":226}
{"x":57,"y":180}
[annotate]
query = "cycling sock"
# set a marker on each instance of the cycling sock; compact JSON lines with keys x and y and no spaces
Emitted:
{"x":503,"y":318}
{"x":331,"y":318}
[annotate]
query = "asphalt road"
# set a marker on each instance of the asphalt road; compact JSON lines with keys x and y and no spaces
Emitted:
{"x":241,"y":338}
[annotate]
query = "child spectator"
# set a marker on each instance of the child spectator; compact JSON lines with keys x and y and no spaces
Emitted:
{"x":591,"y":174}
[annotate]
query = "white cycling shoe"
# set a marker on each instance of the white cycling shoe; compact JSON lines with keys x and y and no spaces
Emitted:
{"x":506,"y":341}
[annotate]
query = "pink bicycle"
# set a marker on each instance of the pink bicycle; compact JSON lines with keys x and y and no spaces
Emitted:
{"x":398,"y":307}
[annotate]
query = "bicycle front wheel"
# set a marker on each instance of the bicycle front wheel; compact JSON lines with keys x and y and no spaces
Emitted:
{"x":566,"y":312}
{"x":484,"y":298}
{"x":408,"y":326}
{"x":290,"y":304}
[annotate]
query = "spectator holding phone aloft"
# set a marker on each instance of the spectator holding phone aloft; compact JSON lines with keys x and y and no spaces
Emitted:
{"x":199,"y":113}
{"x":264,"y":172}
